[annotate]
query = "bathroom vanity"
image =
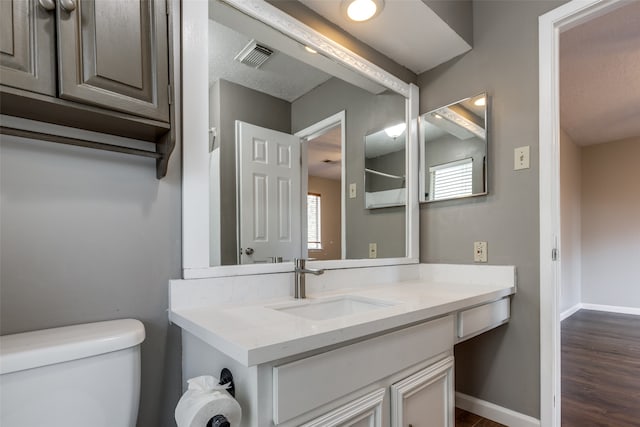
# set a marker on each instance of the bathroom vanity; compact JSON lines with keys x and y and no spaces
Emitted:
{"x":372,"y":344}
{"x":362,"y":350}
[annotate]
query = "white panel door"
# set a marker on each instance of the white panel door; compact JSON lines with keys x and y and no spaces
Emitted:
{"x":425,"y":399}
{"x":269,"y":205}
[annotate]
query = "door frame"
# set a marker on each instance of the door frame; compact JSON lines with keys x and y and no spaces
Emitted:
{"x":550,"y":25}
{"x":310,"y":132}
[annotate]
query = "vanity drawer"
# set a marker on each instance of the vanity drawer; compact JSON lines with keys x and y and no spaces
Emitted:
{"x":303,"y":385}
{"x":480,"y":319}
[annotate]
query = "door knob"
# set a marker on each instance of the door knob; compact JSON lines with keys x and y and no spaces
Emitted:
{"x":47,"y":4}
{"x":248,"y":251}
{"x":68,"y":5}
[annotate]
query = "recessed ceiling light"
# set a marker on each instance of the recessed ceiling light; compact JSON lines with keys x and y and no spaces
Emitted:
{"x":480,"y":102}
{"x":310,"y":49}
{"x":362,"y":10}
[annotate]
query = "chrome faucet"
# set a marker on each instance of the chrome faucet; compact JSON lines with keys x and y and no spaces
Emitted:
{"x":299,"y":290}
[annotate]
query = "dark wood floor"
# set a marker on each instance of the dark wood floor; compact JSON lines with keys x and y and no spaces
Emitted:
{"x":467,"y":419}
{"x":601,"y":370}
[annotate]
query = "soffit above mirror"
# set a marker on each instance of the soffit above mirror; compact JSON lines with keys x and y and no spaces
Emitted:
{"x":430,"y":42}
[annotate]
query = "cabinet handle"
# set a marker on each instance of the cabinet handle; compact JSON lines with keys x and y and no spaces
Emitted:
{"x":47,"y":4}
{"x":68,"y":5}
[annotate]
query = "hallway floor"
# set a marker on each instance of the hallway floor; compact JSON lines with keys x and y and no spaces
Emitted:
{"x":601,"y":370}
{"x":467,"y":419}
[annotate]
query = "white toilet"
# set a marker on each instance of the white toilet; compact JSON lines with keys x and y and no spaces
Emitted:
{"x":76,"y":376}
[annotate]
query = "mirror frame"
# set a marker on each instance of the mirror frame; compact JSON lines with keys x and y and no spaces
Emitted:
{"x":195,"y":137}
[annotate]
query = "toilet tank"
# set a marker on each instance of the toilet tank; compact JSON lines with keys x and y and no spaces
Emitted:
{"x":75,"y":376}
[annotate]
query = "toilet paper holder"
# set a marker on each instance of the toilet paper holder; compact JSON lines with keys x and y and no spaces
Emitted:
{"x":226,"y":378}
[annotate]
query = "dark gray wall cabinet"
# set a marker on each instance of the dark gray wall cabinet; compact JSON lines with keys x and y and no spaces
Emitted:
{"x":100,"y":65}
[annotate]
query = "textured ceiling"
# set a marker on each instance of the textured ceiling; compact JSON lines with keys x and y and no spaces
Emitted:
{"x":324,"y":155}
{"x":281,"y":76}
{"x":407,"y":31}
{"x":600,"y":77}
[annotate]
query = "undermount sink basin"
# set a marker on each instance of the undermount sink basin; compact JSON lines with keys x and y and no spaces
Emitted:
{"x":331,"y":308}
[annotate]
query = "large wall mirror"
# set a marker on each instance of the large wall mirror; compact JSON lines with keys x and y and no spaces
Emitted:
{"x":275,"y":165}
{"x":453,"y":148}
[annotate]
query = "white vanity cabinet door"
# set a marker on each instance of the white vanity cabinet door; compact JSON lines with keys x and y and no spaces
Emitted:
{"x":363,"y":412}
{"x":426,"y":398}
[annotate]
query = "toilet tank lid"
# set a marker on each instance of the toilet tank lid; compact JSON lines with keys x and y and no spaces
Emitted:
{"x":49,"y":346}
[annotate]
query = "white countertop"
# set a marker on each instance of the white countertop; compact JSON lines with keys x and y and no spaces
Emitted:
{"x":254,"y":334}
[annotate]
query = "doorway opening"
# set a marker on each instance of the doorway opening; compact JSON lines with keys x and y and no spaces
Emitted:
{"x":323,"y":191}
{"x":554,"y":223}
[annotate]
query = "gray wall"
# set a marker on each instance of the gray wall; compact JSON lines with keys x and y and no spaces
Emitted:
{"x":240,"y":103}
{"x":392,"y":163}
{"x":88,"y":236}
{"x":365,"y":113}
{"x":611,"y":223}
{"x":570,"y":222}
{"x":502,"y":366}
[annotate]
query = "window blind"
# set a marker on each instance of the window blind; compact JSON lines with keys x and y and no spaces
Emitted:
{"x":453,"y":179}
{"x":314,"y":240}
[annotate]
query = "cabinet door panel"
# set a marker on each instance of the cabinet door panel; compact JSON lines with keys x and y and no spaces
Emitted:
{"x":27,"y":46}
{"x":363,"y":412}
{"x":425,"y":399}
{"x":113,"y":53}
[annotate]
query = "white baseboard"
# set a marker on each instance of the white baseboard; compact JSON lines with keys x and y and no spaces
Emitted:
{"x":494,"y":412}
{"x":571,"y":310}
{"x":611,"y":308}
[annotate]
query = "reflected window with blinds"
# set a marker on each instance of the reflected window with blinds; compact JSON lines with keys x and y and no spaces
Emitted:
{"x":451,"y":180}
{"x":314,"y":239}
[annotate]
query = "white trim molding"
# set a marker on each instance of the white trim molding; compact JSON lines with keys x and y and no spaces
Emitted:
{"x":551,"y":24}
{"x":494,"y":412}
{"x":367,"y":408}
{"x":570,"y":311}
{"x":611,"y":308}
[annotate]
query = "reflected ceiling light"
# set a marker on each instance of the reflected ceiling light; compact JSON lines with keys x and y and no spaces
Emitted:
{"x":310,"y":49}
{"x":437,"y":116}
{"x":480,"y":102}
{"x":362,"y":10}
{"x":395,"y":130}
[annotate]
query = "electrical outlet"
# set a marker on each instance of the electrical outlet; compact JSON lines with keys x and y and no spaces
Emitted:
{"x":479,"y":251}
{"x":373,"y":250}
{"x":521,"y":158}
{"x":352,"y":191}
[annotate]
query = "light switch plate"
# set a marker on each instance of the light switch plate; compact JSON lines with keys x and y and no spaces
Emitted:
{"x":480,"y":252}
{"x":352,"y":191}
{"x":373,"y":250}
{"x":521,"y":158}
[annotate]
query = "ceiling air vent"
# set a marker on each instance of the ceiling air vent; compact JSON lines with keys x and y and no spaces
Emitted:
{"x":254,"y":54}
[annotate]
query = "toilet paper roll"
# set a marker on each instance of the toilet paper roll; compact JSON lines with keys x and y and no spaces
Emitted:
{"x":203,"y":400}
